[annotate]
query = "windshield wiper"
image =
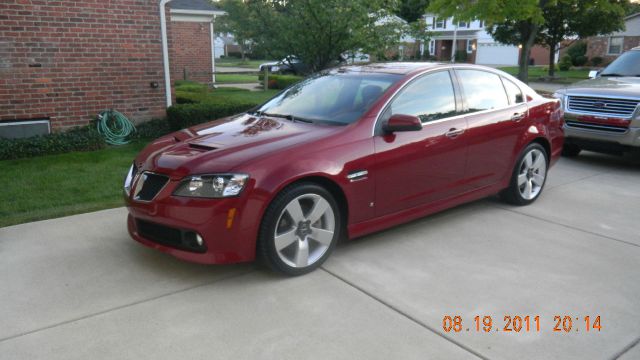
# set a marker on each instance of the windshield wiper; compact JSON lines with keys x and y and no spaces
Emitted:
{"x":612,"y":75}
{"x":284,"y":116}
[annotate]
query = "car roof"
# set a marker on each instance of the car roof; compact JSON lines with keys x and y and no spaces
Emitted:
{"x":400,"y":68}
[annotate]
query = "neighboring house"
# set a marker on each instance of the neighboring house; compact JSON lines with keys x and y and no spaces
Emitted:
{"x":191,"y":31}
{"x":226,"y":45}
{"x":611,"y":46}
{"x":474,"y":43}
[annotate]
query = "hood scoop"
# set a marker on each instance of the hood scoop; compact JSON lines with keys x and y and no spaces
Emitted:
{"x":202,"y":147}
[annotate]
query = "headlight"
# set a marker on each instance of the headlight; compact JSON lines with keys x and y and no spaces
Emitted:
{"x":560,"y":97}
{"x":129,"y":179}
{"x":212,"y":186}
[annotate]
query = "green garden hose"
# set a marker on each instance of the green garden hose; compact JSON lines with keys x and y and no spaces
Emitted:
{"x":115,"y":127}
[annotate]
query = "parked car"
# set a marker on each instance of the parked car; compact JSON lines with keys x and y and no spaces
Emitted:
{"x":289,"y":65}
{"x":602,"y":114}
{"x":344,"y":153}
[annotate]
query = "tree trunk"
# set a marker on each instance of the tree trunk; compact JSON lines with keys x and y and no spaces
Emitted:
{"x":523,"y":71}
{"x":552,"y":59}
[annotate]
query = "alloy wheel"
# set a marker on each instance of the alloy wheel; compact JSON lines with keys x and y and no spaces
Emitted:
{"x":532,"y":174}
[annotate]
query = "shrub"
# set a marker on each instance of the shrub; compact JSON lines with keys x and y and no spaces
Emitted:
{"x":152,"y":129}
{"x":280,"y":82}
{"x":578,"y":52}
{"x":181,"y":116}
{"x":461,"y":56}
{"x":596,"y":61}
{"x":580,"y":60}
{"x":565,"y":63}
{"x":78,"y":139}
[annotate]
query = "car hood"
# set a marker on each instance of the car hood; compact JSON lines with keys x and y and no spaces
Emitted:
{"x":226,"y":144}
{"x":607,"y":86}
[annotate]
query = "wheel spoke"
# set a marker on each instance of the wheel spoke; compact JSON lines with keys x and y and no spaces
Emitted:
{"x":538,"y":179}
{"x":285,"y":239}
{"x":539,"y":162}
{"x":528,"y":160}
{"x":302,"y":254}
{"x":322,"y":236}
{"x":528,"y":189}
{"x":522,"y":178}
{"x":319,"y":208}
{"x":295,"y":211}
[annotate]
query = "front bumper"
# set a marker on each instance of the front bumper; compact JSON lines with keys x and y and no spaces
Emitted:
{"x":227,"y":235}
{"x":623,"y":136}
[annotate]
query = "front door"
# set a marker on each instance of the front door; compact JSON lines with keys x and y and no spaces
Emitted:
{"x":418,"y":167}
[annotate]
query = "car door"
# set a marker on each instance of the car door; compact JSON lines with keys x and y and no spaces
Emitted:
{"x":496,"y":120}
{"x":418,"y":167}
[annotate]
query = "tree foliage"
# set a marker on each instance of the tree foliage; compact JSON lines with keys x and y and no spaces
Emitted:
{"x":412,"y":10}
{"x":316,"y":31}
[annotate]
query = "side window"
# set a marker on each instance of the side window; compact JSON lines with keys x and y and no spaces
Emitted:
{"x":430,"y":98}
{"x":482,"y":90}
{"x":513,"y":92}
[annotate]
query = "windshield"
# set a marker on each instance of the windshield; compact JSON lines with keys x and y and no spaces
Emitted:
{"x":330,"y":97}
{"x":628,"y":64}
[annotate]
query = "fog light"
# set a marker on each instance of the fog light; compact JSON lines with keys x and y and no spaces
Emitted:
{"x":199,"y":239}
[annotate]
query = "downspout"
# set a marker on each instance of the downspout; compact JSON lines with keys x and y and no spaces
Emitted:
{"x":213,"y":51}
{"x":165,"y":51}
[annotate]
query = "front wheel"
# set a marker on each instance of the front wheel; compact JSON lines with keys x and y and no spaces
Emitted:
{"x":529,"y":176}
{"x":299,"y":229}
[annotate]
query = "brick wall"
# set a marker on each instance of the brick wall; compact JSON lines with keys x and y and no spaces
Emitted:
{"x":599,"y":46}
{"x":67,"y":60}
{"x":190,"y":51}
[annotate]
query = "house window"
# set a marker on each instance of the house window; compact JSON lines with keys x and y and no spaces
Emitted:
{"x":432,"y":48}
{"x":441,"y":23}
{"x":463,"y":24}
{"x":615,"y":45}
{"x":470,"y":46}
{"x":481,"y":24}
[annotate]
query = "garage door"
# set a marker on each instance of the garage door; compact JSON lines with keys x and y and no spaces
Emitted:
{"x":496,"y":54}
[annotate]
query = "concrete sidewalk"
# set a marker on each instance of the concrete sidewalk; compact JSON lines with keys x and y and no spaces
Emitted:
{"x":79,"y":288}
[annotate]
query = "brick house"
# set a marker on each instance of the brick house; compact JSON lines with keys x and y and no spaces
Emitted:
{"x":191,"y":32}
{"x":611,"y":46}
{"x":62,"y":62}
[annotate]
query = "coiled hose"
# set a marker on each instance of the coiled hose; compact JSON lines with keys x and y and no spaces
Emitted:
{"x":115,"y":127}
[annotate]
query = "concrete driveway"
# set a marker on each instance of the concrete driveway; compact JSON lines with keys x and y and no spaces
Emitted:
{"x":78,"y":288}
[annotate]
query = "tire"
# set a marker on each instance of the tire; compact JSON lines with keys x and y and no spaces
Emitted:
{"x":529,"y":176}
{"x":296,"y":239}
{"x":570,"y":150}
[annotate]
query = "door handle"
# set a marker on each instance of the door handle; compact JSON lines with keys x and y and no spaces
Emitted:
{"x":518,"y":116}
{"x":453,"y":133}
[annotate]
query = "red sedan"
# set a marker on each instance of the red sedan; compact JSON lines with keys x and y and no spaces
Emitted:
{"x":344,"y":153}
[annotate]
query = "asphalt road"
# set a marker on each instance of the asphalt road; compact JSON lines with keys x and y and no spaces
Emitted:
{"x":78,"y":288}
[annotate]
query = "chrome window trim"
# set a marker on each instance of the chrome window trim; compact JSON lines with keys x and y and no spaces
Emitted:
{"x":448,"y":68}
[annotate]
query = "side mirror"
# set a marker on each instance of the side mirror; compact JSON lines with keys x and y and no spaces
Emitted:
{"x":401,"y":122}
{"x":593,"y":74}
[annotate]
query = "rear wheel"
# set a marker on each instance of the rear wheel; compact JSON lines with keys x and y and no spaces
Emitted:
{"x":299,"y":229}
{"x":529,"y":176}
{"x":570,"y":150}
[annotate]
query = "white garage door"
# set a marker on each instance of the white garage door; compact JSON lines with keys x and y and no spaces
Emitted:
{"x":496,"y":54}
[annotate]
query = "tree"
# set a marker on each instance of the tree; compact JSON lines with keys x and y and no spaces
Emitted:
{"x":412,"y":10}
{"x":527,"y":15}
{"x":578,"y":19}
{"x":319,"y":32}
{"x":239,"y":21}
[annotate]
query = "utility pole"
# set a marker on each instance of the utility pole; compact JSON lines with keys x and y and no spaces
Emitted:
{"x":455,"y":41}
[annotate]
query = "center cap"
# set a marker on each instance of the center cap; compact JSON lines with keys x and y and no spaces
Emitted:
{"x":304,"y":229}
{"x":529,"y":174}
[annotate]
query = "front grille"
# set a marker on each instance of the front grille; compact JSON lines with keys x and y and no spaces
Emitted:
{"x":597,"y":127}
{"x":603,"y":106}
{"x":149,"y":185}
{"x":169,"y":236}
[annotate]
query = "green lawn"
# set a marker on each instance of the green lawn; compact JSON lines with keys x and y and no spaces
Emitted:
{"x":235,"y":62}
{"x":236,"y":79}
{"x":59,"y":185}
{"x":563,"y":77}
